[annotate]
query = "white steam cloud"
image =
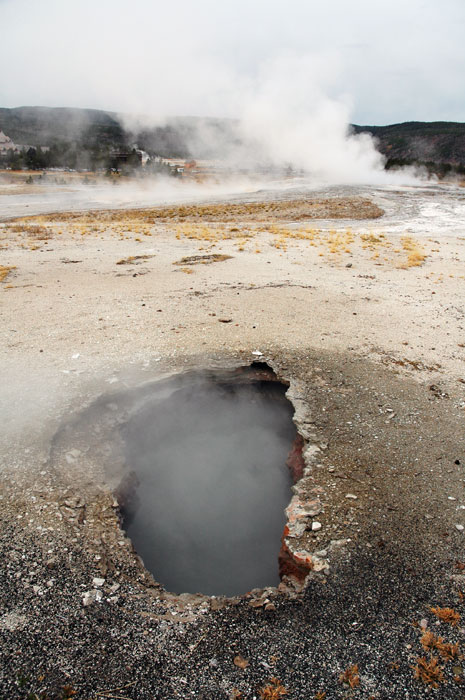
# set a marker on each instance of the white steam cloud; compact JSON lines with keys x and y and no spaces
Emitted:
{"x":291,"y":116}
{"x":288,"y":118}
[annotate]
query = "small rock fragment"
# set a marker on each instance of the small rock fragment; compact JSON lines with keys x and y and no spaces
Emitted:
{"x":316,"y":526}
{"x":240,"y":662}
{"x":90,"y":597}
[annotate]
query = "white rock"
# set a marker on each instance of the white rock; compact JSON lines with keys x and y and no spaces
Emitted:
{"x":72,"y":456}
{"x":98,"y":582}
{"x":257,"y":352}
{"x":316,"y":526}
{"x":90,"y":597}
{"x":297,"y":528}
{"x":458,"y":527}
{"x":351,"y":495}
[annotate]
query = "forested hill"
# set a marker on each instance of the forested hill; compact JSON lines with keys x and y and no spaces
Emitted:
{"x":438,"y":145}
{"x":92,"y":129}
{"x":44,"y":126}
{"x":430,"y":143}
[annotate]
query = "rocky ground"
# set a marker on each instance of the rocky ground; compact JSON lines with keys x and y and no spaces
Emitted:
{"x":365,"y":324}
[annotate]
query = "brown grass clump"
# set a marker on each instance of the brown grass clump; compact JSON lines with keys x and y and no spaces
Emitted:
{"x":350,"y":676}
{"x":202,"y":259}
{"x":274,"y":690}
{"x":429,"y":671}
{"x":416,"y":255}
{"x":5,"y":271}
{"x":447,"y":615}
{"x":448,"y":651}
{"x":133,"y":259}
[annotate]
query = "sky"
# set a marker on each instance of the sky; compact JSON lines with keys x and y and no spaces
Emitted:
{"x":382,"y":61}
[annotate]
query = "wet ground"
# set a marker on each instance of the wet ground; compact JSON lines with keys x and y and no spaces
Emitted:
{"x":424,"y":209}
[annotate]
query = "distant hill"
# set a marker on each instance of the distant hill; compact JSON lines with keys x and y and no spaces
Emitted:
{"x":440,"y":146}
{"x":92,"y":128}
{"x":45,"y":126}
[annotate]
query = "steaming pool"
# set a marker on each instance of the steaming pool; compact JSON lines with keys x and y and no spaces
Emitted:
{"x":205,"y":504}
{"x":200,"y":467}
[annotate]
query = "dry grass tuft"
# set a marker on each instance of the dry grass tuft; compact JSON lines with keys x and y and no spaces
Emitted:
{"x":202,"y":259}
{"x":34,"y":231}
{"x":447,"y":615}
{"x":274,"y":690}
{"x":448,"y":651}
{"x":350,"y":676}
{"x":134,"y":259}
{"x":5,"y":271}
{"x":429,"y":671}
{"x":416,"y":255}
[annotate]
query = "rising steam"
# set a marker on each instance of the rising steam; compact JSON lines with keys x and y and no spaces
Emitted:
{"x":287,"y":119}
{"x":293,"y":120}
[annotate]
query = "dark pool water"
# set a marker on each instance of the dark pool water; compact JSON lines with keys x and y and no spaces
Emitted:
{"x":209,"y":461}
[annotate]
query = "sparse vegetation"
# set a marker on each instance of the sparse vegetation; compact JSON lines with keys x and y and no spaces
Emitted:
{"x":274,"y":690}
{"x":288,"y":210}
{"x":5,"y":271}
{"x":429,"y":642}
{"x":134,"y":259}
{"x":415,"y":252}
{"x":447,"y":615}
{"x":202,"y":259}
{"x":209,"y":227}
{"x":350,"y":676}
{"x":429,"y":671}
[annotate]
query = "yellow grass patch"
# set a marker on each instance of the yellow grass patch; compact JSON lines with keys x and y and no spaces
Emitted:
{"x":5,"y":271}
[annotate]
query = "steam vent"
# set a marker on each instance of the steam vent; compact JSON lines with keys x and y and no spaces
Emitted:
{"x":200,"y":466}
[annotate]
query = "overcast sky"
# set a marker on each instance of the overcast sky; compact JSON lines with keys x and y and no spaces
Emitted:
{"x":386,"y":60}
